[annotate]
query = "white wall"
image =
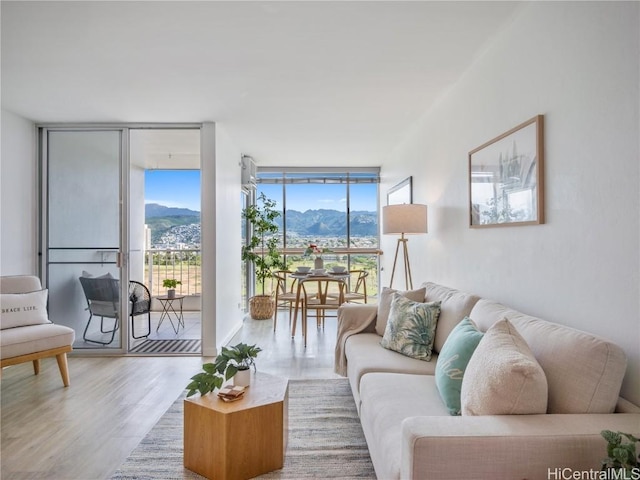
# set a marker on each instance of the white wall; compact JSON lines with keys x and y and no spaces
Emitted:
{"x":221,"y":241}
{"x":229,"y":313}
{"x":578,"y":64}
{"x":18,"y":200}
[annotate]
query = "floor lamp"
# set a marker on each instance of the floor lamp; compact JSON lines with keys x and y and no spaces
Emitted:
{"x":404,"y":219}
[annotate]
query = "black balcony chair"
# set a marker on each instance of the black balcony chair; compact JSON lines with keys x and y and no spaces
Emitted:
{"x":103,"y":296}
{"x":139,"y":304}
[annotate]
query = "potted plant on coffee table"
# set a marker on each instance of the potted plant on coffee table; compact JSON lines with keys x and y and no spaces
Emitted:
{"x":233,"y":362}
{"x":262,"y":252}
{"x":236,"y":362}
{"x":171,"y":284}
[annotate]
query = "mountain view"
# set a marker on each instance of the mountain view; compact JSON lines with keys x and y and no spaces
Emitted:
{"x":180,"y":227}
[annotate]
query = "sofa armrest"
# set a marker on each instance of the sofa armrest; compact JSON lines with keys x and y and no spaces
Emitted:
{"x":352,"y":318}
{"x":507,"y":446}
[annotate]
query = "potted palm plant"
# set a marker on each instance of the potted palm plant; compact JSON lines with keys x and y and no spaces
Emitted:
{"x":262,"y":252}
{"x":171,"y":284}
{"x":233,"y":362}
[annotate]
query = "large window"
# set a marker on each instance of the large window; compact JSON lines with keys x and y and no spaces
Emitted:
{"x":335,"y":209}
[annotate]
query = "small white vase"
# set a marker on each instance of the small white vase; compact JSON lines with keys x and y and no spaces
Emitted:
{"x":242,"y":378}
{"x":318,"y":263}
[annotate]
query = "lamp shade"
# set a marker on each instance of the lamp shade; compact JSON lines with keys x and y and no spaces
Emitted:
{"x":405,"y":218}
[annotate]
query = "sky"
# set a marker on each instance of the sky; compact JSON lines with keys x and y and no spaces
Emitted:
{"x":332,"y":197}
{"x":181,"y":188}
{"x":173,"y":188}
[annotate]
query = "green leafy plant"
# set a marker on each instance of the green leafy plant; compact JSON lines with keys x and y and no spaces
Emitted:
{"x":621,"y":451}
{"x":171,"y":283}
{"x":226,"y":365}
{"x":262,"y":249}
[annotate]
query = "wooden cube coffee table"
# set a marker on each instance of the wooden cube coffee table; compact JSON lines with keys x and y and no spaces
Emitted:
{"x":237,"y":440}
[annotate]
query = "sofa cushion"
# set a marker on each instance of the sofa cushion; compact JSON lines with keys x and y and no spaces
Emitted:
{"x":22,"y":309}
{"x":411,"y":327}
{"x":387,"y":400}
{"x":454,"y":306}
{"x":34,"y":338}
{"x":19,"y":284}
{"x":584,"y":372}
{"x":384,"y":304}
{"x":503,"y":377}
{"x":453,"y":360}
{"x":366,"y":355}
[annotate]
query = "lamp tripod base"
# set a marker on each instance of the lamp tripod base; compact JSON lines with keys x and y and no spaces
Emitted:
{"x":407,"y":267}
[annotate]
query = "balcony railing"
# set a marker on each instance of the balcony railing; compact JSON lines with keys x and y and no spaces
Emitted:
{"x":183,"y":265}
{"x":186,"y":267}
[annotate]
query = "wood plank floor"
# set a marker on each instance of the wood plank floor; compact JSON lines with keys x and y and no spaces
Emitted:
{"x":86,"y":431}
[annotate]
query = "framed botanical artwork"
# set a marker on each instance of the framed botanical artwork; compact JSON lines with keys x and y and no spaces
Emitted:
{"x":506,"y":178}
{"x":401,"y":192}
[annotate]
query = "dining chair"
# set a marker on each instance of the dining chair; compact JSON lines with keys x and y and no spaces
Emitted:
{"x":329,"y":294}
{"x":358,"y":293}
{"x":285,"y":296}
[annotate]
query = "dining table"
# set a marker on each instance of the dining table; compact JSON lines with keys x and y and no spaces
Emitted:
{"x":312,"y":277}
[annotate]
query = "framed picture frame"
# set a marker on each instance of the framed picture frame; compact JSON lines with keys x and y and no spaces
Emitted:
{"x":401,"y":192}
{"x":506,"y":178}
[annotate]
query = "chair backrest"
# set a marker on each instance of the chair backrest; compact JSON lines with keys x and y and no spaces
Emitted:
{"x":102,"y":294}
{"x":359,"y":290}
{"x":139,"y":298}
{"x":280,"y":277}
{"x":361,"y":281}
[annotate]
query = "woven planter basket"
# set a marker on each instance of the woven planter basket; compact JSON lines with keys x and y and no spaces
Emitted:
{"x":261,"y":307}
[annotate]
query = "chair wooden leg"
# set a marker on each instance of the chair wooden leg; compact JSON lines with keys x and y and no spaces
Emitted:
{"x":64,"y":368}
{"x":304,"y":325}
{"x":36,"y":366}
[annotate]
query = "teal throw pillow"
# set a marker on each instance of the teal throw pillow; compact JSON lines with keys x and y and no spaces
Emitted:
{"x":452,"y":362}
{"x":411,"y":327}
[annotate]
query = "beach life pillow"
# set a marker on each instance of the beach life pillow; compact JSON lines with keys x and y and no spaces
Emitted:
{"x":503,"y":377}
{"x":22,"y":309}
{"x":411,"y":329}
{"x":384,"y":304}
{"x":452,"y":362}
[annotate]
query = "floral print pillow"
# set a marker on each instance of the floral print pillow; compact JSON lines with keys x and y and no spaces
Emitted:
{"x":411,"y":328}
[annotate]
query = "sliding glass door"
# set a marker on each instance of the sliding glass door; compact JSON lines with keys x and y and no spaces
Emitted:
{"x":84,"y":233}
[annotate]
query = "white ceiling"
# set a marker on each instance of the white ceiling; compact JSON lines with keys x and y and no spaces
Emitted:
{"x":293,"y":83}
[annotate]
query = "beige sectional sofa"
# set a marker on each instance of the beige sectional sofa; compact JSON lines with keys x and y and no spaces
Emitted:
{"x":26,"y":333}
{"x":410,"y":433}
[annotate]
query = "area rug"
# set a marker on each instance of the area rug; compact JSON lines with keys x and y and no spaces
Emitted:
{"x":168,"y":346}
{"x":325,"y":439}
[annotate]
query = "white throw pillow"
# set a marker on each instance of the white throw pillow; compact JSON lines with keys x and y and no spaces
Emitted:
{"x":503,"y":377}
{"x":20,"y":309}
{"x":384,"y":304}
